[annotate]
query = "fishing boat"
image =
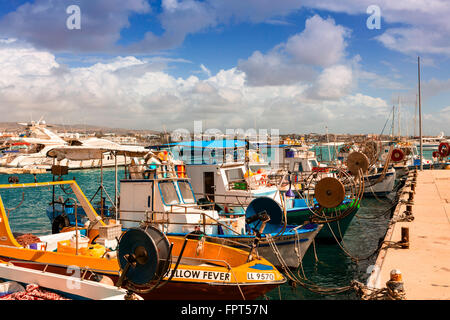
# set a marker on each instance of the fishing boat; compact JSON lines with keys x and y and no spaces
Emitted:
{"x":229,"y":188}
{"x":158,"y":190}
{"x":303,"y":162}
{"x":230,"y":182}
{"x":291,"y":168}
{"x":191,"y":268}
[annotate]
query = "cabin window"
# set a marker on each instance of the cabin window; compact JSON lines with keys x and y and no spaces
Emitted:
{"x":169,"y":193}
{"x":186,"y":192}
{"x":298,"y":167}
{"x":234,"y":175}
{"x":313,"y":163}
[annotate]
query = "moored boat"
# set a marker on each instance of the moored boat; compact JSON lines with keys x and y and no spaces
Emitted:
{"x":202,"y":270}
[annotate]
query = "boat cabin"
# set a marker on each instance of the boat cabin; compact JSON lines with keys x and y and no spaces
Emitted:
{"x":163,"y":195}
{"x":296,"y":159}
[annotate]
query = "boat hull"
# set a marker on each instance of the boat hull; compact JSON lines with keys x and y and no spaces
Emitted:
{"x":176,"y":289}
{"x":291,"y":246}
{"x":299,"y":216}
{"x":382,"y":188}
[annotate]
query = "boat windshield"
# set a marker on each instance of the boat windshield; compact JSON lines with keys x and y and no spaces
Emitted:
{"x":186,"y":192}
{"x":169,"y":193}
{"x":234,"y":175}
{"x":298,"y":167}
{"x":313,"y":163}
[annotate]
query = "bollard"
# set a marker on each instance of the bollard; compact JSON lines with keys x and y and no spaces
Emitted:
{"x":409,"y":209}
{"x":410,"y":196}
{"x":395,"y":284}
{"x":396,"y":275}
{"x":404,"y":243}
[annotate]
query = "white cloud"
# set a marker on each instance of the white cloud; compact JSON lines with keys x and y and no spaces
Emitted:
{"x":128,"y":92}
{"x":333,"y":83}
{"x":205,"y":70}
{"x":322,"y":43}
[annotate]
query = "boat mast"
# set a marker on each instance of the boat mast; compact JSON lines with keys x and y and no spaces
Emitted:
{"x":420,"y":116}
{"x":393,"y":121}
{"x":415,"y":118}
{"x":398,"y":118}
{"x":328,"y":146}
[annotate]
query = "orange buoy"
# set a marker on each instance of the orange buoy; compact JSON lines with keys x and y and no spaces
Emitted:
{"x":181,"y":171}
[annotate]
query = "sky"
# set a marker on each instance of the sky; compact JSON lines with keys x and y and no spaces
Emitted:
{"x":298,"y":66}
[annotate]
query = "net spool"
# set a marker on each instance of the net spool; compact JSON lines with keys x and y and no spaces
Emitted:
{"x":149,"y":249}
{"x":357,"y":161}
{"x":397,"y":155}
{"x":444,"y":149}
{"x":370,"y":149}
{"x":329,"y":192}
{"x":265,"y":205}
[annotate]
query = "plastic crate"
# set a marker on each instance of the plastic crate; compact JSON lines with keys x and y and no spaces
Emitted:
{"x":110,"y":232}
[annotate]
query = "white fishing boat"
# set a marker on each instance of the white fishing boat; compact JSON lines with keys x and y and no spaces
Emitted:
{"x":304,"y":162}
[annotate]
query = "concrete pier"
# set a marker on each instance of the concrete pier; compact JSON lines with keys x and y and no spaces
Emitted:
{"x":21,"y":171}
{"x":425,"y":265}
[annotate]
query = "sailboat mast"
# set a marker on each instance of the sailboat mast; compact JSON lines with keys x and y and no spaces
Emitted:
{"x":393,"y":121}
{"x":398,"y":118}
{"x":415,"y":118}
{"x":420,"y":116}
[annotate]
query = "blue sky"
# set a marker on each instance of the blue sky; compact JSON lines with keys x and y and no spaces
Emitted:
{"x":297,"y":66}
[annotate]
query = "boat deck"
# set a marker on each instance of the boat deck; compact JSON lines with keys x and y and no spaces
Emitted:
{"x":425,"y":265}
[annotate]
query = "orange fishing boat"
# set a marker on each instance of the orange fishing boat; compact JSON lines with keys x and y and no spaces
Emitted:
{"x":145,"y":260}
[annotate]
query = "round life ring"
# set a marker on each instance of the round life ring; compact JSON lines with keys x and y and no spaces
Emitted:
{"x":444,"y":149}
{"x":436,"y":154}
{"x":397,"y":155}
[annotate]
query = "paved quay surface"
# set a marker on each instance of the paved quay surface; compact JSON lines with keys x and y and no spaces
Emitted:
{"x":425,"y":266}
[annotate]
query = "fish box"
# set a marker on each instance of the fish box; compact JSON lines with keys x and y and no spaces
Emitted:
{"x":110,"y":231}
